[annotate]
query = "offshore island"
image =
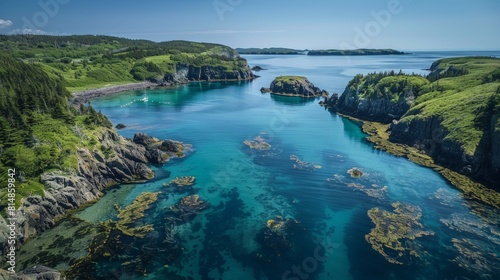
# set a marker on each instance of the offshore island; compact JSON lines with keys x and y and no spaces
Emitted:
{"x":67,"y":154}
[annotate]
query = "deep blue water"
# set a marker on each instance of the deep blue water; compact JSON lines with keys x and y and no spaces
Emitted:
{"x":245,"y":188}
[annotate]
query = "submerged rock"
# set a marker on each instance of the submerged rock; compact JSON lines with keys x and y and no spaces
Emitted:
{"x":395,"y":233}
{"x":355,"y":172}
{"x":123,"y":241}
{"x":277,"y":238}
{"x":128,"y":216}
{"x":188,"y":207}
{"x":181,"y":184}
{"x":476,"y":257}
{"x":258,"y":143}
{"x":303,"y":165}
{"x":375,"y":191}
{"x":185,"y":181}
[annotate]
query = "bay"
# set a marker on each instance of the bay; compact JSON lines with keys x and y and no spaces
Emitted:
{"x":303,"y":177}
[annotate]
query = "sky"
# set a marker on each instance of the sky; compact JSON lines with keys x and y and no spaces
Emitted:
{"x":315,"y":24}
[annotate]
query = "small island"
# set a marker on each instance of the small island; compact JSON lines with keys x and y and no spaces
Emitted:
{"x":294,"y":86}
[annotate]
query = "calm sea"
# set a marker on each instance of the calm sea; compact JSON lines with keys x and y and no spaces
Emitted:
{"x":302,"y":179}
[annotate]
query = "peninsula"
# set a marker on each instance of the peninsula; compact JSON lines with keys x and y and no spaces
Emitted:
{"x":449,"y":118}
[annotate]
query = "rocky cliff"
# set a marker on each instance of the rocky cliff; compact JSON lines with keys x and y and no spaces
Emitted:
{"x":431,"y":136}
{"x":378,"y":97}
{"x":495,"y":144}
{"x":185,"y":73}
{"x":453,"y":116}
{"x":125,"y":161}
{"x":294,"y":86}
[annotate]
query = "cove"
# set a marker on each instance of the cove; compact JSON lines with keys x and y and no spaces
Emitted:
{"x":301,"y":183}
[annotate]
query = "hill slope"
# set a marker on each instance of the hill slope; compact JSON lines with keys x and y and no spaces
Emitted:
{"x":451,"y":115}
{"x":89,"y":62}
{"x":61,"y":157}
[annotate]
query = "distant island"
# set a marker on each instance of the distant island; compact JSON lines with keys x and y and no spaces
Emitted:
{"x":357,"y":52}
{"x":333,"y":52}
{"x":269,"y":51}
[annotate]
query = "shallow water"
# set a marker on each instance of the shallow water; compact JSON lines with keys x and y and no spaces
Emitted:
{"x":245,"y":188}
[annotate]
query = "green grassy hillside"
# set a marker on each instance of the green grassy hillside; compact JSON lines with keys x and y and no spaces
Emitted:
{"x":38,"y":130}
{"x":451,"y":115}
{"x":465,"y":94}
{"x":389,"y":85}
{"x":88,"y":62}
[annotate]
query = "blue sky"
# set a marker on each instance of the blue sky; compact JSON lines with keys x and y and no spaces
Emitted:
{"x":313,"y":24}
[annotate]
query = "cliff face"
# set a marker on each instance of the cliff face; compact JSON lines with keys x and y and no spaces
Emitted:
{"x":126,"y":162}
{"x":382,"y":109}
{"x":381,"y":97}
{"x":429,"y":135}
{"x":294,"y":86}
{"x":185,"y":73}
{"x":457,"y":123}
{"x":495,"y":146}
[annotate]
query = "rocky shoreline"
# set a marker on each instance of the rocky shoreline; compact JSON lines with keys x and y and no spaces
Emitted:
{"x":183,"y":74}
{"x":471,"y":189}
{"x":83,"y":97}
{"x":125,"y":161}
{"x":392,"y":98}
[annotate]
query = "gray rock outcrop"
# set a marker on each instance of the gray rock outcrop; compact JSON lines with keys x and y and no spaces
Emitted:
{"x":35,"y":273}
{"x":185,"y":73}
{"x":124,"y":161}
{"x":381,"y":109}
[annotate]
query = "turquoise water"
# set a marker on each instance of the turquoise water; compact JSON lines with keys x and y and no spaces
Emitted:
{"x":245,"y":187}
